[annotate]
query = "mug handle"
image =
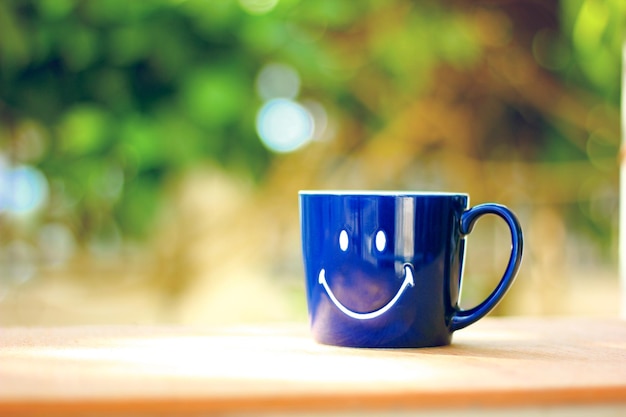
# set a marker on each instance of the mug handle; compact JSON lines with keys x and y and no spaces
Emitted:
{"x":463,"y":318}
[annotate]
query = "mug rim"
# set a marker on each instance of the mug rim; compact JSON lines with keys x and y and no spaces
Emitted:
{"x":392,"y":193}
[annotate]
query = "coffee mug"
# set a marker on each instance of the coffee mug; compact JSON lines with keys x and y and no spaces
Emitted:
{"x":384,"y":269}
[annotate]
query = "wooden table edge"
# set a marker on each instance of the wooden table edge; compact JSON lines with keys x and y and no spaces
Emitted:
{"x":397,"y":401}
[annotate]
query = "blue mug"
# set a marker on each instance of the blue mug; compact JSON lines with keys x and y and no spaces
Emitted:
{"x":383,"y":269}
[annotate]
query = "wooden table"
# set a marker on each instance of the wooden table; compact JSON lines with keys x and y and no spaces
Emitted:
{"x":498,"y":363}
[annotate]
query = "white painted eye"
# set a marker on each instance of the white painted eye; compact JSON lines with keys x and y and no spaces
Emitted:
{"x":343,"y":240}
{"x":381,"y":241}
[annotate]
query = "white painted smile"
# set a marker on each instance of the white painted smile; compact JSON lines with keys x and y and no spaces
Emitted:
{"x":408,"y":281}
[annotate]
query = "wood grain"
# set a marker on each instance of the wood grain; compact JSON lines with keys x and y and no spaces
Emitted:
{"x":498,"y":362}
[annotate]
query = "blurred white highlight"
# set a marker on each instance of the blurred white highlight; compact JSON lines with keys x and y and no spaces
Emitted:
{"x":284,"y":125}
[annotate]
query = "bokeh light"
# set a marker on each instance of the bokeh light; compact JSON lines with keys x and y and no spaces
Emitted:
{"x":321,"y":125}
{"x":284,"y":125}
{"x":56,"y":243}
{"x":18,"y":262}
{"x":257,"y":7}
{"x":277,"y":80}
{"x":23,"y":189}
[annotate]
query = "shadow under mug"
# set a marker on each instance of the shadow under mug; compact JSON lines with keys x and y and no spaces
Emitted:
{"x":384,"y":269}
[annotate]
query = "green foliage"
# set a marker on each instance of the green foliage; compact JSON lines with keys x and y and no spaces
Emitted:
{"x":145,"y":88}
{"x":596,"y":30}
{"x":128,"y":94}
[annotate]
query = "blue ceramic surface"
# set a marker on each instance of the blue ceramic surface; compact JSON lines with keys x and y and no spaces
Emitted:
{"x":384,"y":269}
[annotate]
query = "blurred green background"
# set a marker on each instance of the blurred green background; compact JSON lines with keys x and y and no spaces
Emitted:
{"x":151,"y":151}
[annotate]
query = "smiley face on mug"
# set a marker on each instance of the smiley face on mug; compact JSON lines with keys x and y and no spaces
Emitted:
{"x":371,"y":293}
{"x":367,"y":265}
